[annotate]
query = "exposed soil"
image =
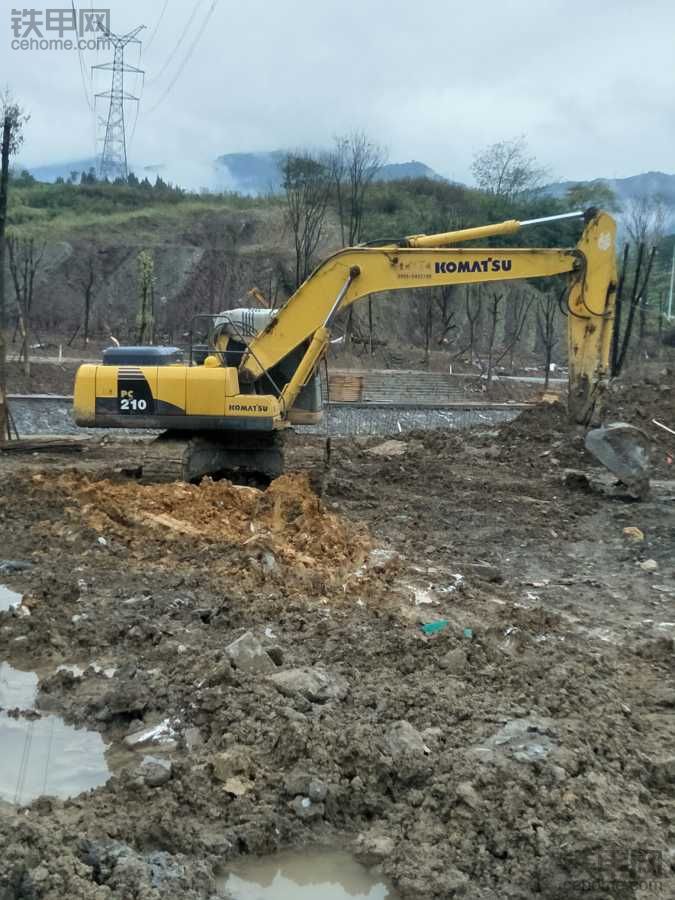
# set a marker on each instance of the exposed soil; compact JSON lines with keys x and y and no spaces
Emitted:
{"x":536,"y":759}
{"x":640,"y":402}
{"x":44,"y":378}
{"x":544,"y":431}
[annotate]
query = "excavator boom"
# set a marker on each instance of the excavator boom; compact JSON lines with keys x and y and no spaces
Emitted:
{"x":383,"y":269}
{"x":426,"y":261}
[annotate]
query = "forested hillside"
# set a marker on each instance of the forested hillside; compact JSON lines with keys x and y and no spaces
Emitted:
{"x":74,"y":266}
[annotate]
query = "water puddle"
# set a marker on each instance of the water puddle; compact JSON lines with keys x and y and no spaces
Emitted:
{"x":77,"y":670}
{"x":43,"y":755}
{"x":46,"y":756}
{"x":9,"y":598}
{"x":303,"y":875}
{"x":17,"y":689}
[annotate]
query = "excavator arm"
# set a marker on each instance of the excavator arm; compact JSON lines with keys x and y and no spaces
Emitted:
{"x":426,"y":261}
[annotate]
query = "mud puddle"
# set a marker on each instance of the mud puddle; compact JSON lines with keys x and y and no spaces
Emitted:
{"x":9,"y":598}
{"x":317,"y":874}
{"x":43,"y":755}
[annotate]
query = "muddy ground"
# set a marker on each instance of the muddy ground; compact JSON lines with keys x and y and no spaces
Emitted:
{"x":520,"y":747}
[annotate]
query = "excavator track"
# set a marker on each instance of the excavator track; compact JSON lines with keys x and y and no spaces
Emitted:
{"x":164,"y":461}
{"x":245,"y":459}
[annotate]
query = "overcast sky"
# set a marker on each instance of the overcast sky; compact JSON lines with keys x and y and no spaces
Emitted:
{"x":592,"y":86}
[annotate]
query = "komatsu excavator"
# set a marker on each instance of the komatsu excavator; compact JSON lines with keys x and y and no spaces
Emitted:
{"x":225,"y":408}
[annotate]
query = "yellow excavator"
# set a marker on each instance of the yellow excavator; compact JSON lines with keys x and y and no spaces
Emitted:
{"x":225,"y":407}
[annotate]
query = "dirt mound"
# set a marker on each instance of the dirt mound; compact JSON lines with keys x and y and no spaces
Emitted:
{"x":640,"y":402}
{"x":537,"y":423}
{"x":287,"y":520}
{"x":440,"y":442}
{"x":542,"y":432}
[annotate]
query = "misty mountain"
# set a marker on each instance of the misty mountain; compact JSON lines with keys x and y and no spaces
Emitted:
{"x":245,"y":173}
{"x":258,"y":173}
{"x":412,"y":169}
{"x":648,"y":183}
{"x":251,"y":173}
{"x":52,"y":171}
{"x":659,"y":184}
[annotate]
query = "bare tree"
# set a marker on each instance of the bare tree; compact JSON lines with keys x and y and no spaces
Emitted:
{"x":88,"y":283}
{"x":500,"y":298}
{"x":336,"y":161}
{"x":494,"y":302}
{"x":494,"y":298}
{"x":519,"y":299}
{"x":621,"y":337}
{"x":215,"y":279}
{"x":306,"y":183}
{"x":422,"y":305}
{"x":436,"y":311}
{"x":473,"y":305}
{"x":13,"y":118}
{"x":364,"y":160}
{"x":82,"y":273}
{"x":507,"y":170}
{"x":645,"y":219}
{"x":484,"y":307}
{"x":25,"y":259}
{"x":353,"y":164}
{"x":547,"y":312}
{"x":446,"y":305}
{"x":146,"y":297}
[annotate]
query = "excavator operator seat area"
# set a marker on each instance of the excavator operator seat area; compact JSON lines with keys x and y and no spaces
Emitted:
{"x":142,"y":356}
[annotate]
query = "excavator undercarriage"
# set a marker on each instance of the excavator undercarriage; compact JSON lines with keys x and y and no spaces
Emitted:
{"x":242,"y":458}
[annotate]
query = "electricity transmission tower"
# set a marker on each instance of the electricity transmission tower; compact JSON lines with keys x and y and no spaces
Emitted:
{"x":113,"y":159}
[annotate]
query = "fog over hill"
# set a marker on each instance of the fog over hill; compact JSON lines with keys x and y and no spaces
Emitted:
{"x":245,"y":173}
{"x":259,"y":173}
{"x":658,"y":184}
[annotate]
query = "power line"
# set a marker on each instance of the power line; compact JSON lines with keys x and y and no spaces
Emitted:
{"x":81,"y":61}
{"x":133,"y":127}
{"x":91,"y":87}
{"x":186,"y":57}
{"x":159,"y":22}
{"x":50,"y":746}
{"x":138,"y":88}
{"x":184,"y":32}
{"x":23,"y":764}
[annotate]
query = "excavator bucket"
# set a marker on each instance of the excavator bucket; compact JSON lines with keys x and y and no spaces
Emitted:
{"x":624,"y":450}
